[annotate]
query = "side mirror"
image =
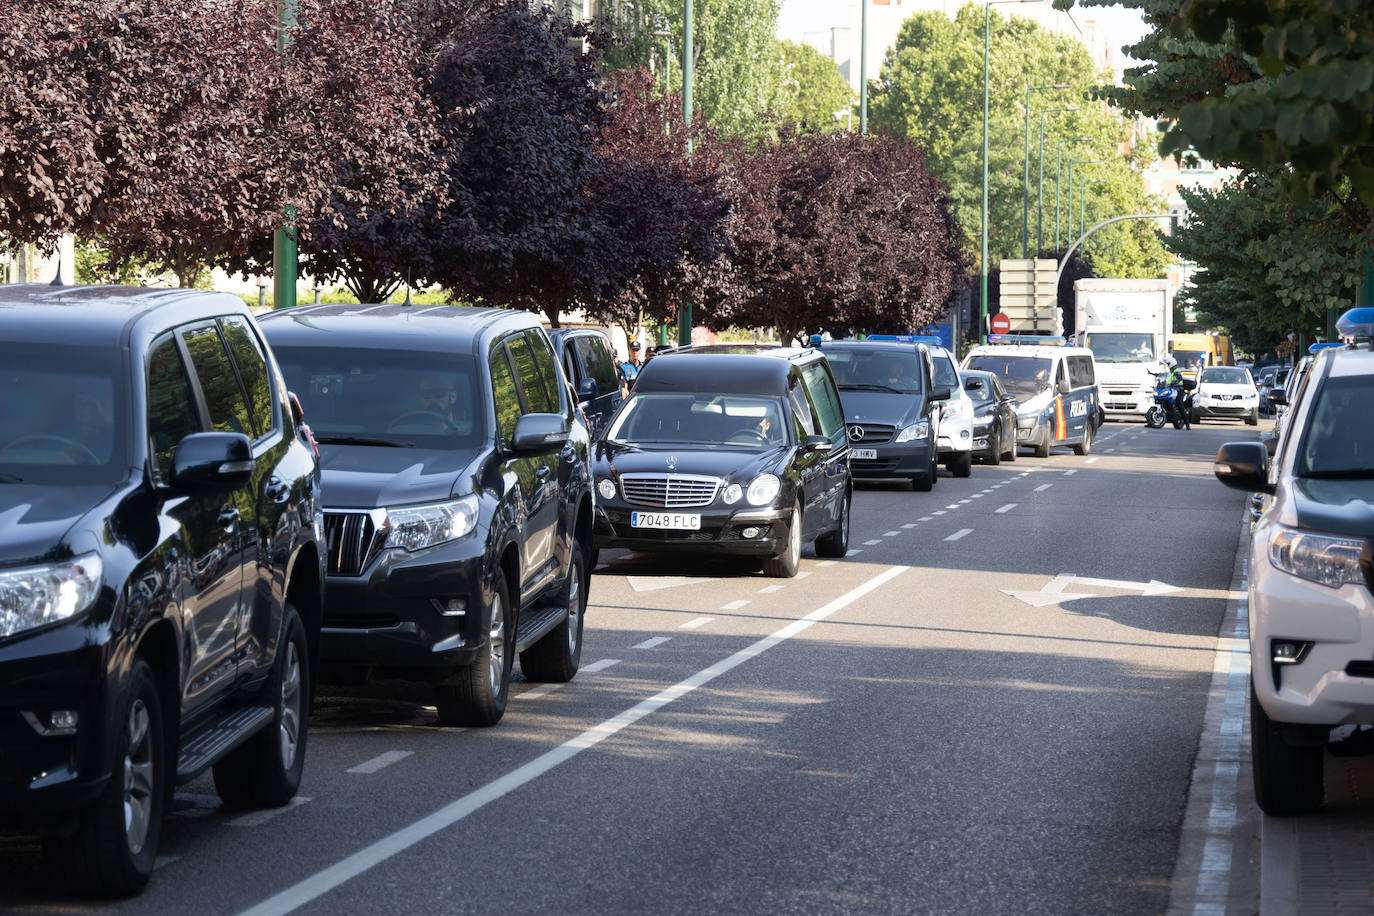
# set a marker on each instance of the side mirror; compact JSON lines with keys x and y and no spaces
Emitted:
{"x":817,"y":443}
{"x":1278,"y":396}
{"x":204,"y":460}
{"x":1243,"y":466}
{"x":1063,"y":386}
{"x":586,"y":389}
{"x":973,"y":384}
{"x":539,"y":434}
{"x":940,"y":394}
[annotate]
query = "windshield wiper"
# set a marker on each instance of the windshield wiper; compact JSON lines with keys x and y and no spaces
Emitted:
{"x":872,"y":388}
{"x":362,"y":440}
{"x":1345,"y":474}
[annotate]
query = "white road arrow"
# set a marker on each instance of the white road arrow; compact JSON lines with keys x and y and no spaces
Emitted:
{"x":1053,"y":591}
{"x":1153,"y":587}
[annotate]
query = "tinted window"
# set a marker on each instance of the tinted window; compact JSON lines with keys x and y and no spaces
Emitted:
{"x":61,"y":413}
{"x":1081,"y":371}
{"x":599,"y":363}
{"x":801,"y":409}
{"x":705,"y":421}
{"x":172,"y":414}
{"x":1023,"y":376}
{"x":1339,"y":441}
{"x":223,"y":396}
{"x":895,"y":369}
{"x":503,"y":394}
{"x":821,"y":387}
{"x":243,"y":343}
{"x":363,"y":396}
{"x":554,"y":382}
{"x":534,"y":392}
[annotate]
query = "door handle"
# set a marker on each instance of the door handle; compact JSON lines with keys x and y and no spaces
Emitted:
{"x":229,"y":519}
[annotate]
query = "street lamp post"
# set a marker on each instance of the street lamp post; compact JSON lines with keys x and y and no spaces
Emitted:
{"x":1059,"y":181}
{"x":863,"y":68}
{"x":1040,"y":199}
{"x":1069,"y":214}
{"x":1025,"y":198}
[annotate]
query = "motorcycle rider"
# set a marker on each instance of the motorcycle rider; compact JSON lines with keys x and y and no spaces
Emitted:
{"x":1174,"y":379}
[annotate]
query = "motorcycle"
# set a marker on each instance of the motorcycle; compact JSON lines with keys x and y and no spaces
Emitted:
{"x":1172,"y":403}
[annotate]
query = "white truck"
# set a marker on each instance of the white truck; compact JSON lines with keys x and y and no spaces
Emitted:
{"x":1127,"y":325}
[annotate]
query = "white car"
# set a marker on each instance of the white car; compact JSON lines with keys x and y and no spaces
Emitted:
{"x":955,"y":439}
{"x":1226,"y":392}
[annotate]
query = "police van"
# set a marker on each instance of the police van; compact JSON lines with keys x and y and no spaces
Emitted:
{"x":1055,"y":387}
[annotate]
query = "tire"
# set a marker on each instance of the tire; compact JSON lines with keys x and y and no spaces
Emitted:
{"x":995,"y":456}
{"x":1253,"y":419}
{"x":476,"y":694}
{"x":785,"y":564}
{"x":1010,"y":453}
{"x":266,"y":771}
{"x":1042,"y":448}
{"x":1154,"y":417}
{"x":960,"y":464}
{"x":1086,"y":446}
{"x":593,"y":559}
{"x":923,"y":483}
{"x":1193,"y":418}
{"x":106,"y":857}
{"x":556,"y":656}
{"x":1288,"y":780}
{"x":836,"y":543}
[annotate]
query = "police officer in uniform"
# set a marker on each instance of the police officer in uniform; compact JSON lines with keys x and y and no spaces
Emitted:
{"x":629,"y":369}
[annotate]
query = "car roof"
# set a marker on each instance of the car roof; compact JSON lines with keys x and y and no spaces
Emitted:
{"x":1027,"y":350}
{"x":1351,"y":361}
{"x":95,"y":315}
{"x":721,"y":370}
{"x":388,"y":325}
{"x":906,"y":346}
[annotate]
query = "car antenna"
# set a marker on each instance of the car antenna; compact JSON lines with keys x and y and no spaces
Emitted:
{"x":406,"y":304}
{"x":57,"y":277}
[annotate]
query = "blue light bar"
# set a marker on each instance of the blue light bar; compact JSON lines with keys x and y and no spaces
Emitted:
{"x":1027,"y":340}
{"x":1356,"y":323}
{"x":1318,"y":347}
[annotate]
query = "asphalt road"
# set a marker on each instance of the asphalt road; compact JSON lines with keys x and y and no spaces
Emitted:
{"x":993,"y":705}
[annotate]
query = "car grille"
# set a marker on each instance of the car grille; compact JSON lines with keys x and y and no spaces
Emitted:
{"x":669,"y":491}
{"x":353,"y":540}
{"x":873,"y":433}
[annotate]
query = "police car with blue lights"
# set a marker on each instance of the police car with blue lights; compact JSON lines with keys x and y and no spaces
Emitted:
{"x":1055,"y":387}
{"x":1310,"y":595}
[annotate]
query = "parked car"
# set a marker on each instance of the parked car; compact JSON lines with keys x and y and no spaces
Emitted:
{"x":1225,"y":392}
{"x":738,"y":450}
{"x":457,"y":499}
{"x":1284,"y":398}
{"x":1263,"y":383}
{"x":1309,"y":595}
{"x":994,"y":417}
{"x":588,"y":362}
{"x":956,"y":415}
{"x":161,"y":569}
{"x":1055,"y":388}
{"x":891,"y":409}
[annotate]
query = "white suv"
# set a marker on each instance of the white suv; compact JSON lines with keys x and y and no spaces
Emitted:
{"x":956,"y":415}
{"x":1310,"y":602}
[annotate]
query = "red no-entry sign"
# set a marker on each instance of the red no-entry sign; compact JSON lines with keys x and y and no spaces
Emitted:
{"x":999,"y":324}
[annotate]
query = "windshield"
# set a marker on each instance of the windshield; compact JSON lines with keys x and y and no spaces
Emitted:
{"x":1224,"y":375}
{"x":62,"y":419}
{"x":700,"y":420}
{"x":1122,"y":348}
{"x":1022,"y":376}
{"x":894,"y":369}
{"x":397,"y":398}
{"x":1339,"y":441}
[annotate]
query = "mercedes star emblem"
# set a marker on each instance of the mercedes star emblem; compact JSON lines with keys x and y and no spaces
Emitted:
{"x":856,"y":433}
{"x":672,"y":462}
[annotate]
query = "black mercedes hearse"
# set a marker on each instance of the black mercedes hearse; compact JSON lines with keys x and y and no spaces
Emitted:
{"x":728,"y":449}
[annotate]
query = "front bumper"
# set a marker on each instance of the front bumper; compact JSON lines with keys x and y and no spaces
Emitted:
{"x":1333,"y":684}
{"x":985,"y":441}
{"x":1031,"y":428}
{"x":1127,"y":402}
{"x":722,"y":530}
{"x":960,"y":441}
{"x":909,"y":459}
{"x":389,"y":617}
{"x":1206,"y":407}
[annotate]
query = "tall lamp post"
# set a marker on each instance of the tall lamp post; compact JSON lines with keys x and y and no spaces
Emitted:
{"x":1040,"y":199}
{"x":1059,"y":181}
{"x":863,"y":68}
{"x":1069,"y":222}
{"x":983,"y":271}
{"x":1025,"y":198}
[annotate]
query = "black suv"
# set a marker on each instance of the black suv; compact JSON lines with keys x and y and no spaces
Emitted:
{"x":457,"y":497}
{"x":589,"y":364}
{"x":160,"y":568}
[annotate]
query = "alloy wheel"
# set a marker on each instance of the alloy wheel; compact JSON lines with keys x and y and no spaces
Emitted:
{"x":496,"y":639}
{"x":290,"y":730}
{"x":574,"y":606}
{"x":138,"y":777}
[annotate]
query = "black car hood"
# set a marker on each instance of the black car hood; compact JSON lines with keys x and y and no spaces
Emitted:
{"x":714,"y":462}
{"x":1336,"y":506}
{"x":368,"y":476}
{"x":881,"y":407}
{"x":34,"y":519}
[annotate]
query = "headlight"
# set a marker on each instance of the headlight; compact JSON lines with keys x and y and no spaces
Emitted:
{"x":763,"y":490}
{"x":918,"y":430}
{"x":417,"y":527}
{"x":606,"y":487}
{"x":1320,"y":558}
{"x":958,"y":407}
{"x":732,"y":494}
{"x":39,"y":595}
{"x":1034,"y":406}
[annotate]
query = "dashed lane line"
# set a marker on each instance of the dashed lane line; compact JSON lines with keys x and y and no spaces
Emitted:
{"x":925,"y":518}
{"x":1071,"y":473}
{"x":824,"y":563}
{"x":891,"y":534}
{"x":872,"y":542}
{"x":938,"y":512}
{"x":959,"y":534}
{"x":696,"y":624}
{"x":601,"y":665}
{"x":1005,"y":509}
{"x":770,"y":589}
{"x":909,"y":525}
{"x":381,"y":761}
{"x":1043,"y":487}
{"x":734,"y":605}
{"x":652,"y":642}
{"x":1092,"y":460}
{"x":542,"y":690}
{"x":258,"y":818}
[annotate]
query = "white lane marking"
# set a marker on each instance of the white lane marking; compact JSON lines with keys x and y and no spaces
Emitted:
{"x":952,"y":506}
{"x":909,"y":525}
{"x":801,"y":575}
{"x":258,"y":818}
{"x":734,"y":605}
{"x":1043,"y":486}
{"x":542,"y":690}
{"x":1070,"y":473}
{"x":963,"y":502}
{"x":938,"y":512}
{"x":696,"y":624}
{"x":822,"y":564}
{"x":988,"y":490}
{"x":854,"y":550}
{"x":379,"y":762}
{"x":770,"y":589}
{"x":1109,"y":450}
{"x":996,"y":486}
{"x":978,"y":495}
{"x":925,"y":518}
{"x":891,"y":534}
{"x":654,"y":583}
{"x":959,"y":534}
{"x":320,"y":883}
{"x":1007,"y":508}
{"x":872,"y":542}
{"x":1024,"y":474}
{"x":651,"y":642}
{"x":1090,"y":461}
{"x":601,"y":665}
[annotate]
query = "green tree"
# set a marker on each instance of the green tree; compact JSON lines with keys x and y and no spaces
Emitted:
{"x":930,"y":89}
{"x":740,"y":68}
{"x":814,"y":90}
